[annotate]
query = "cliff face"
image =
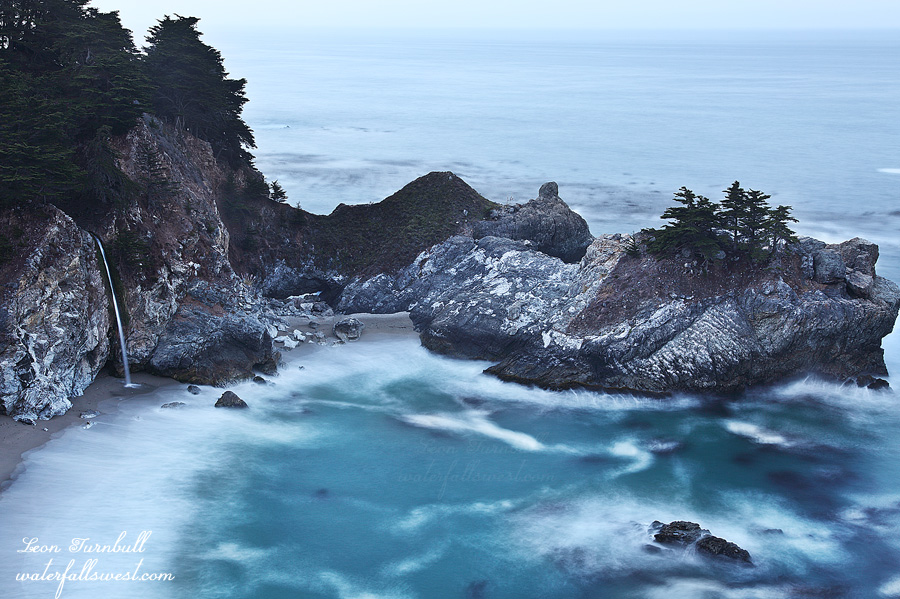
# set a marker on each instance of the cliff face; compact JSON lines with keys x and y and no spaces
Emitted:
{"x":54,"y":313}
{"x":186,"y":313}
{"x":616,"y":321}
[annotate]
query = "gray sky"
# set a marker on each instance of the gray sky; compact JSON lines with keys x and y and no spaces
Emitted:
{"x":218,"y":15}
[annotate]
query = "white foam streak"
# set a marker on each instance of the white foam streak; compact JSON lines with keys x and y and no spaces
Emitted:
{"x":756,"y":433}
{"x":475,"y":421}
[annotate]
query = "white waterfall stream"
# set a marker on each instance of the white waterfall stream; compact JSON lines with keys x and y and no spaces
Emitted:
{"x":115,"y":304}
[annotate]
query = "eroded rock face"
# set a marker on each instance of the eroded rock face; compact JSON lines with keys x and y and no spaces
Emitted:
{"x":54,"y":317}
{"x":546,"y":222}
{"x":619,"y":322}
{"x":213,"y":340}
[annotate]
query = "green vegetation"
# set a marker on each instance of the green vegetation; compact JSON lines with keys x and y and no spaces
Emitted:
{"x":741,"y":225}
{"x":71,"y":78}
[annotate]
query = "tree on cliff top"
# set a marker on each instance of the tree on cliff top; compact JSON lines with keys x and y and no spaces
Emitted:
{"x":191,"y":89}
{"x":742,"y":225}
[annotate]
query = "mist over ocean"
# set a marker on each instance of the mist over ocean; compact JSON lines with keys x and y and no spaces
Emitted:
{"x":383,"y":471}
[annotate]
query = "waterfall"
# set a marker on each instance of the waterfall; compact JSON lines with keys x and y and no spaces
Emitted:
{"x":115,"y":304}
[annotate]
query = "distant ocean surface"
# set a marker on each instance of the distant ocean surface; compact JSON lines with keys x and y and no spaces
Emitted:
{"x":380,"y":471}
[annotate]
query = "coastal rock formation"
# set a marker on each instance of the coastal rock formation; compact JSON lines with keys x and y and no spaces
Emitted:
{"x":348,"y":329}
{"x":213,"y":340}
{"x":546,"y":222}
{"x":230,"y":399}
{"x":686,"y":534}
{"x":623,"y":322}
{"x":54,"y":313}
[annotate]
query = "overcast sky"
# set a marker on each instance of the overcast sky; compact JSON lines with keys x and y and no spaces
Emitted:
{"x":138,"y":15}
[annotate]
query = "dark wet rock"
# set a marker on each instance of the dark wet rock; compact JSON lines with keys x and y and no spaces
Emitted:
{"x":348,"y":329}
{"x":24,"y":420}
{"x":652,"y":549}
{"x":173,"y":405}
{"x":684,"y":534}
{"x":547,"y":223}
{"x":259,"y":380}
{"x":879,"y":384}
{"x":88,"y":414}
{"x":313,"y":324}
{"x":193,"y":389}
{"x":679,"y":532}
{"x":871,"y":382}
{"x":230,"y":400}
{"x":719,"y":547}
{"x":772,"y":531}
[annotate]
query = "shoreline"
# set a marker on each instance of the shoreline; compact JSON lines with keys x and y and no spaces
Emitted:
{"x":17,"y":439}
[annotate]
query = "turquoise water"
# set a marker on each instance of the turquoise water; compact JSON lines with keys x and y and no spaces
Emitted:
{"x":381,"y":471}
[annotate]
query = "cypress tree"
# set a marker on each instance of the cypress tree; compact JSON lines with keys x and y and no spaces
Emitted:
{"x":190,"y":88}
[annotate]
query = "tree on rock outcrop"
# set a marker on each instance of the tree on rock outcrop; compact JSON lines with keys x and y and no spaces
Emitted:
{"x":191,"y":88}
{"x":693,"y":227}
{"x":742,"y":225}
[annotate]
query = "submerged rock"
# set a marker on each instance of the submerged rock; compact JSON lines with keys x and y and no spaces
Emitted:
{"x":679,"y":532}
{"x":89,"y":414}
{"x":173,"y":405}
{"x":193,"y":389}
{"x":685,"y":534}
{"x":230,"y":400}
{"x":348,"y":329}
{"x":719,"y":547}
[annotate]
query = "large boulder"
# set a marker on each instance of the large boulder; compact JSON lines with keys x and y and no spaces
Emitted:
{"x":212,"y":340}
{"x":348,"y":329}
{"x":546,"y":222}
{"x":229,"y":399}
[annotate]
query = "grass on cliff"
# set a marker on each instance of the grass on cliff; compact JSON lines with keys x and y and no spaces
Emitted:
{"x":387,"y":236}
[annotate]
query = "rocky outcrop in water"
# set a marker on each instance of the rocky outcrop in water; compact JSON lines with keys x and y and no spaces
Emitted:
{"x":54,"y":313}
{"x":623,"y":322}
{"x":230,"y":399}
{"x":685,"y":534}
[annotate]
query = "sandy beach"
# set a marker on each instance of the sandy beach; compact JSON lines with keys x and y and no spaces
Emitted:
{"x":16,"y":438}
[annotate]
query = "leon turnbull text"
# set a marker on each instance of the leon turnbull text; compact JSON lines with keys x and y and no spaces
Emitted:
{"x":83,"y":545}
{"x":87,"y":573}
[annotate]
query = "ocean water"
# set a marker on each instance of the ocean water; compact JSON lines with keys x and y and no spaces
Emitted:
{"x":382,"y":471}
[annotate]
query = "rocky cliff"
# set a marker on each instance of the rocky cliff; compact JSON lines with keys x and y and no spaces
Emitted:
{"x":54,"y":316}
{"x":195,"y":246}
{"x":621,"y":321}
{"x":187,"y":313}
